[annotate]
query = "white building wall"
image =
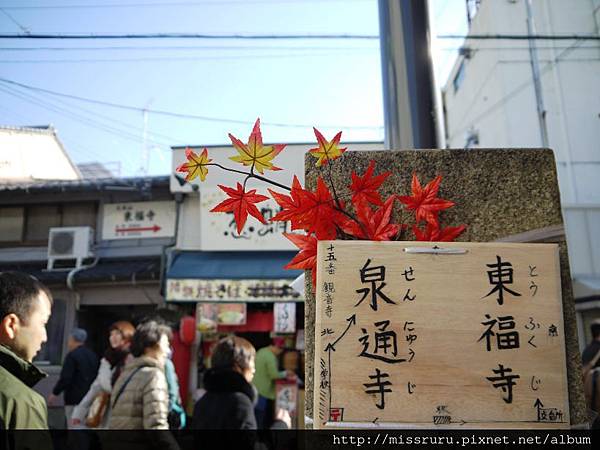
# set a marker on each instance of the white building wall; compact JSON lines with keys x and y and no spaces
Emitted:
{"x":28,"y":154}
{"x":496,"y":100}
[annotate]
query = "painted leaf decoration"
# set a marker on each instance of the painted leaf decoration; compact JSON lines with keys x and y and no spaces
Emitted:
{"x":293,"y":205}
{"x":241,"y":203}
{"x":307,"y":256}
{"x":327,"y":150}
{"x":424,"y":201}
{"x":364,"y":189}
{"x":195,"y":166}
{"x":433,"y":233}
{"x":254,"y":153}
{"x":313,"y":212}
{"x":376,"y":224}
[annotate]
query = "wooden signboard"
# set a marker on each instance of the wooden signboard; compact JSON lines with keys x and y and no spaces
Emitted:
{"x":409,"y":334}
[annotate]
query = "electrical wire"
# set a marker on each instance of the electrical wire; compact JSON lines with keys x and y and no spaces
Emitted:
{"x":179,"y":115}
{"x":510,"y":95}
{"x":128,"y":127}
{"x":172,"y":4}
{"x":82,"y":36}
{"x":83,"y":120}
{"x":250,"y":46}
{"x":175,"y":58}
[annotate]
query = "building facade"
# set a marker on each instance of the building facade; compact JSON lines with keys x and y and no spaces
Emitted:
{"x":545,"y":92}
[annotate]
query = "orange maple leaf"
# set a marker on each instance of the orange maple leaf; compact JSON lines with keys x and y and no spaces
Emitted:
{"x":241,"y":204}
{"x":424,"y":201}
{"x":376,"y":225}
{"x":327,"y":150}
{"x":433,"y":233}
{"x":255,"y":154}
{"x":365,"y":187}
{"x":307,"y":256}
{"x":313,"y":212}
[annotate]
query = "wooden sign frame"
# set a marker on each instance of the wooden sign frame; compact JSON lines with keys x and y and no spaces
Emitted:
{"x":450,"y":335}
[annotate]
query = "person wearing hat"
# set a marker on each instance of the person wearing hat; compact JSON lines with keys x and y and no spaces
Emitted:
{"x":78,"y":372}
{"x":264,"y":380}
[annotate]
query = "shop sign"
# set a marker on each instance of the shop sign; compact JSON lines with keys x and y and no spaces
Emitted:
{"x":286,"y":397}
{"x":214,"y":290}
{"x":138,"y":220}
{"x":210,"y":315}
{"x":284,"y":318}
{"x":456,"y":334}
{"x":218,"y":232}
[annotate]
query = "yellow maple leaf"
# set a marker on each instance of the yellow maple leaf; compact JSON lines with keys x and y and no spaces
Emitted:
{"x":327,"y":150}
{"x":195,"y":165}
{"x":255,"y":154}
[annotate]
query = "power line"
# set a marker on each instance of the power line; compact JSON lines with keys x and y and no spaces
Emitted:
{"x":161,"y":4}
{"x":190,"y":36}
{"x":525,"y":37}
{"x":174,"y":114}
{"x":82,"y":36}
{"x":202,"y":47}
{"x":62,"y":112}
{"x":87,"y":121}
{"x":175,"y":58}
{"x":501,"y":102}
{"x":23,"y":28}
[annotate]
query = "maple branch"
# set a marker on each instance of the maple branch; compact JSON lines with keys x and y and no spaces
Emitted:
{"x":250,"y":175}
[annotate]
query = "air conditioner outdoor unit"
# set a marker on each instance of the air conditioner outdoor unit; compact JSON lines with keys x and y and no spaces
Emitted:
{"x":70,"y":243}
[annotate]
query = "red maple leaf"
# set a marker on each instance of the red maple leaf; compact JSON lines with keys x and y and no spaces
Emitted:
{"x":365,"y":188}
{"x":307,"y":256}
{"x":376,"y":224}
{"x":424,"y":201}
{"x":241,"y":204}
{"x":433,"y":233}
{"x":310,"y":211}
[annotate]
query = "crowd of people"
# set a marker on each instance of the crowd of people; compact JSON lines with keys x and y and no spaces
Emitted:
{"x":134,"y":386}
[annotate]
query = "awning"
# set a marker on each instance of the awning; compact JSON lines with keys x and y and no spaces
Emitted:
{"x":232,"y":265}
{"x":231,"y":277}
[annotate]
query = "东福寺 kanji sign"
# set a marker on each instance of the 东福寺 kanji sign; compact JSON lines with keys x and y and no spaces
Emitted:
{"x":138,"y":220}
{"x":409,"y":334}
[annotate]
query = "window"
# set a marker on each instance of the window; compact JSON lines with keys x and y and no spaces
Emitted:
{"x":31,"y":224}
{"x":459,"y":77}
{"x":39,"y":220}
{"x":11,"y":224}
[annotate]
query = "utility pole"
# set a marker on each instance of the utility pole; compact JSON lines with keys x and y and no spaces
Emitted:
{"x":537,"y":82}
{"x":410,"y":115}
{"x":145,"y":165}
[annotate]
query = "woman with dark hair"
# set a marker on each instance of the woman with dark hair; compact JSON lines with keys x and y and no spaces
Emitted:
{"x":140,"y":397}
{"x":229,"y":400}
{"x":92,"y":410}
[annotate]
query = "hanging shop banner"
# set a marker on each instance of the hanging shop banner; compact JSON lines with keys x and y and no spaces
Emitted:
{"x":286,"y":396}
{"x":218,"y":232}
{"x":468,"y":335}
{"x":210,"y":315}
{"x":197,"y":290}
{"x":138,"y":220}
{"x":284,"y":318}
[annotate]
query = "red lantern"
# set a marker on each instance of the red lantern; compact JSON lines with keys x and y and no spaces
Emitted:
{"x":187,"y":330}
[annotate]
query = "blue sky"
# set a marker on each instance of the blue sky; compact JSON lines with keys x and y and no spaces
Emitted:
{"x":331,"y":84}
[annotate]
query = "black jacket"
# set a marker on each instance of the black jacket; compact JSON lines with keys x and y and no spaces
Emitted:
{"x":228,"y":403}
{"x":78,"y":372}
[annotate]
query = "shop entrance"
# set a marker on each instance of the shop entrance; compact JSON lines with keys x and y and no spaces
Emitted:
{"x":97,"y":319}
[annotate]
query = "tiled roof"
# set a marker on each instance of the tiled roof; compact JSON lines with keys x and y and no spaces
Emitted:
{"x":134,"y":184}
{"x":122,"y":269}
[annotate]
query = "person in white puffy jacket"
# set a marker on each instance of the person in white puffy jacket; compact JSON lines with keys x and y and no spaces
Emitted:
{"x":111,"y":365}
